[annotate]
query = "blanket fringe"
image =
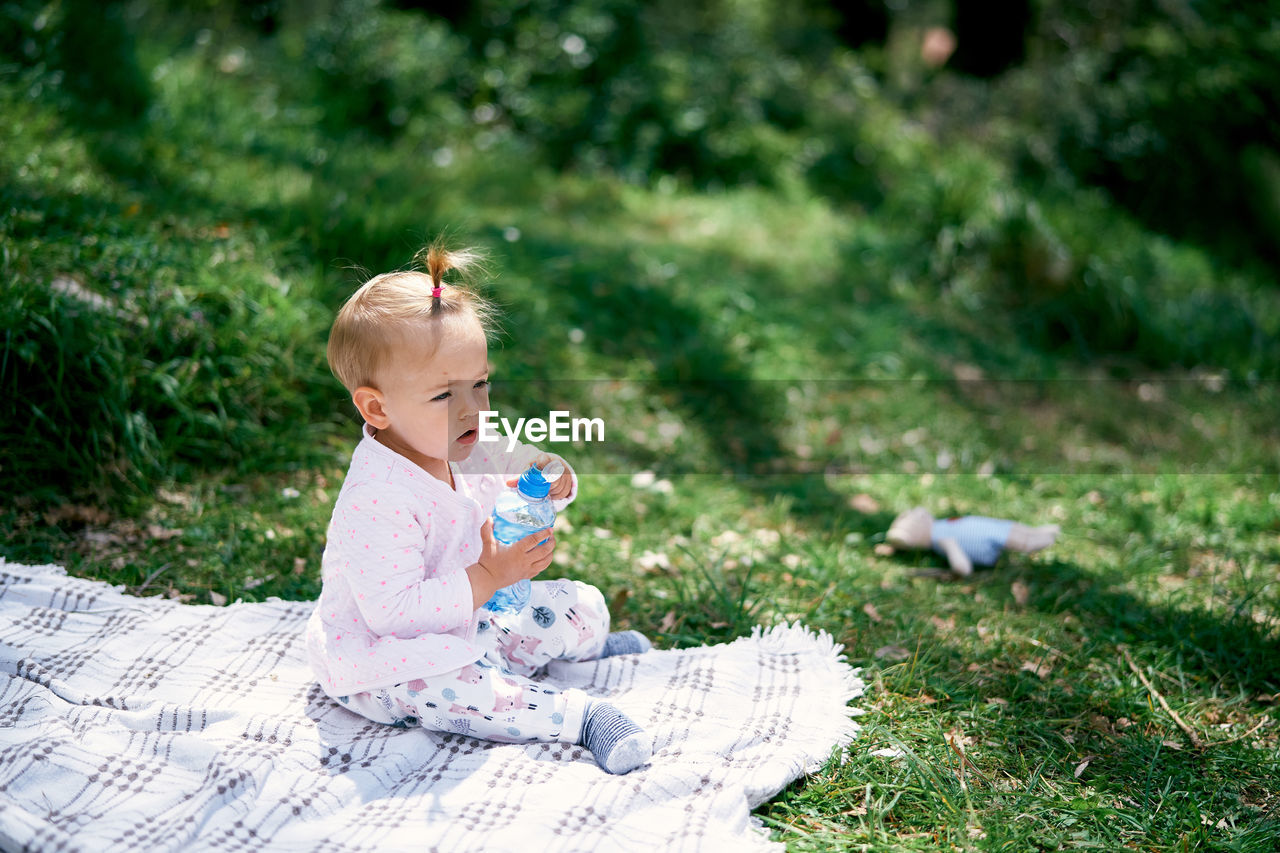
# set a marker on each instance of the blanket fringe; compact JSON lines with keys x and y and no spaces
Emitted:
{"x":48,"y":569}
{"x":793,"y":637}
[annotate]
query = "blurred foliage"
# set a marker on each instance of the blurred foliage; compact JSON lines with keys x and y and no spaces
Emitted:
{"x":171,"y":163}
{"x":381,"y":70}
{"x":1170,"y":105}
{"x":702,"y":91}
{"x":88,"y":50}
{"x":705,"y":92}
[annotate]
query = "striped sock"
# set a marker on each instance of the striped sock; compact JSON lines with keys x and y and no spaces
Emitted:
{"x":618,"y":744}
{"x":625,"y":643}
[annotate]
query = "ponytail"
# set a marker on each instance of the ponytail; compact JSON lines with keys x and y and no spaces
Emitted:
{"x":439,"y":260}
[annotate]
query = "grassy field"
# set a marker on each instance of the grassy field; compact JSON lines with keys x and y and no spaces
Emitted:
{"x":780,"y":374}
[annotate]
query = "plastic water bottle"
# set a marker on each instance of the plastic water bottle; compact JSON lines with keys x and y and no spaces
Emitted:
{"x":516,"y":514}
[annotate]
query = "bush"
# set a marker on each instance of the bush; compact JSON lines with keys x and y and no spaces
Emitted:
{"x":1170,"y":107}
{"x":707,"y":92}
{"x":1073,"y":272}
{"x":88,"y":49}
{"x":384,"y":71}
{"x":141,"y":363}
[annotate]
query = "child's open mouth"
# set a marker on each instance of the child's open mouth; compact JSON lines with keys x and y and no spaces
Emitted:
{"x":468,"y":437}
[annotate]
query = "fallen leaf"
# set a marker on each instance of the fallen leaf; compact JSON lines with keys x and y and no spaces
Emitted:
{"x":1099,"y":723}
{"x":1040,"y":668}
{"x":1021,"y":593}
{"x":892,"y":653}
{"x":76,"y":514}
{"x":652,"y":561}
{"x":959,"y":741}
{"x":643,"y":479}
{"x":615,"y":606}
{"x":726,"y":539}
{"x":948,"y":624}
{"x":888,"y":752}
{"x":1083,"y":765}
{"x":872,"y":613}
{"x":102,"y":538}
{"x":217,"y":598}
{"x":155,"y":531}
{"x":668,"y":622}
{"x":864,"y":504}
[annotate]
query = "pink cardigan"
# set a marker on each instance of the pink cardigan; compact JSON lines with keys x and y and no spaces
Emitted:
{"x":396,"y":601}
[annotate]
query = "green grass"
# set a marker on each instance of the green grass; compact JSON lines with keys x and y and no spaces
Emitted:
{"x":792,"y":371}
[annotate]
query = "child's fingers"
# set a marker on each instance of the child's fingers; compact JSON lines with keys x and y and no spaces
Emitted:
{"x":539,"y":555}
{"x":531,"y":543}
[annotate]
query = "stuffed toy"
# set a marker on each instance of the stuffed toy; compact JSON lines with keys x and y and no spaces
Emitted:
{"x":968,"y":541}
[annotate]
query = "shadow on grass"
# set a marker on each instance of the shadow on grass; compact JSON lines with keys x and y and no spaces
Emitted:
{"x":1082,"y":744}
{"x":1233,"y":651}
{"x":685,"y":361}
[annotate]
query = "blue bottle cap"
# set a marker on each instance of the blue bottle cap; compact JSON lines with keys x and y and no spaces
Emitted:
{"x":532,"y":485}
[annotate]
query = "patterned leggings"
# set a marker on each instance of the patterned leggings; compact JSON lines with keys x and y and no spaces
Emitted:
{"x":494,"y":698}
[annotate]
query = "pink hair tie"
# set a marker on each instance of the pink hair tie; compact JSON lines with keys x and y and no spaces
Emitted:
{"x":435,"y":291}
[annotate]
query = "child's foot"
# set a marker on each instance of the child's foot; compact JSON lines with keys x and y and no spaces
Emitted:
{"x":625,"y":643}
{"x":618,"y":744}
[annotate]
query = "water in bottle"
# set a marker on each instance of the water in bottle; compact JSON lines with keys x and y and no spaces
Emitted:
{"x":516,"y":514}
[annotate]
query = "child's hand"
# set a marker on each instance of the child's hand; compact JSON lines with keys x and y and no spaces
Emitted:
{"x":549,"y":464}
{"x":502,"y":565}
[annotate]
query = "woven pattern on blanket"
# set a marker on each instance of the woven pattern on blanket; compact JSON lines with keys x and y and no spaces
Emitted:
{"x":142,"y":724}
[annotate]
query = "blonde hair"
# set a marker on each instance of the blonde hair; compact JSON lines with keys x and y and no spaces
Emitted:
{"x":406,"y":306}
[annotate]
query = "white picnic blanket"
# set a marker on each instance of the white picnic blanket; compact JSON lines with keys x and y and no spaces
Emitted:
{"x":142,"y":724}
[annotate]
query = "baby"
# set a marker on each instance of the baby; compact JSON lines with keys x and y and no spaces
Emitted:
{"x":399,"y":634}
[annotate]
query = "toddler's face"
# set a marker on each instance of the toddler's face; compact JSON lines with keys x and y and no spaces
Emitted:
{"x":432,"y":404}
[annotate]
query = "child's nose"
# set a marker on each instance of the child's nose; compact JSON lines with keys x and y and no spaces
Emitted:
{"x":468,"y":402}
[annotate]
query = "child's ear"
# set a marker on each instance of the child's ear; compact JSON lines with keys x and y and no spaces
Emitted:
{"x":369,"y":401}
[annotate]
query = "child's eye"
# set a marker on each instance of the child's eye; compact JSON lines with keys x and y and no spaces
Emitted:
{"x":444,"y":396}
{"x":482,"y":384}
